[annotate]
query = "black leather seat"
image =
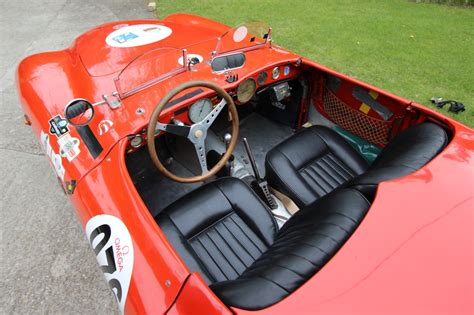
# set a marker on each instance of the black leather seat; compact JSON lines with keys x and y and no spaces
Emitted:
{"x":406,"y":153}
{"x":224,"y":231}
{"x":219,"y":229}
{"x":311,"y":164}
{"x":317,"y":160}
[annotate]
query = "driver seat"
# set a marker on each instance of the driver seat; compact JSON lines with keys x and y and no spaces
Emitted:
{"x":223,"y":231}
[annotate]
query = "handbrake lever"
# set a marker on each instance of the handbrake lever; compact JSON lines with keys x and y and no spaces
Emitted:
{"x":262,"y":183}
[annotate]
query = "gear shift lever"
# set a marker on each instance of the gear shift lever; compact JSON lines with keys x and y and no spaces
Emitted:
{"x":262,"y":183}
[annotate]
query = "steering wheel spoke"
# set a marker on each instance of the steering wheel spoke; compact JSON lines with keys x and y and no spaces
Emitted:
{"x":211,"y":117}
{"x":201,"y":155}
{"x":178,"y":130}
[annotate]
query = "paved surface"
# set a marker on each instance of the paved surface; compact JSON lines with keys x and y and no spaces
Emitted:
{"x":45,"y":261}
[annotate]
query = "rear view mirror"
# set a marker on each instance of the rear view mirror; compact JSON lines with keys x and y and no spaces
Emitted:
{"x":79,"y":112}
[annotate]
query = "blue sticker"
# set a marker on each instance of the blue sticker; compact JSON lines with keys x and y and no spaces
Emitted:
{"x":286,"y":70}
{"x":124,"y":37}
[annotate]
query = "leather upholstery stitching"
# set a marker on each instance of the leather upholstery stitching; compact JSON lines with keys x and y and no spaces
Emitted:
{"x":231,"y":248}
{"x":282,"y":182}
{"x":243,"y":232}
{"x":317,"y":183}
{"x":272,"y":218}
{"x":337,"y":225}
{"x":329,"y":176}
{"x":284,"y":267}
{"x":223,"y":255}
{"x":274,"y":283}
{"x":213,"y":260}
{"x":336,"y":174}
{"x":238,"y":242}
{"x":338,"y":162}
{"x":211,"y":226}
{"x":333,"y":167}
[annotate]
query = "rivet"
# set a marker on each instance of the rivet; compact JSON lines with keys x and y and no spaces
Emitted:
{"x":140,"y":111}
{"x":167,"y":283}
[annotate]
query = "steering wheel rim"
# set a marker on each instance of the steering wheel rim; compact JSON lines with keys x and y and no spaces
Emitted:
{"x":197,"y":134}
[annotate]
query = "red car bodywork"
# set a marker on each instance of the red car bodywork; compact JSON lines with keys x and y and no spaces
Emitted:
{"x":413,"y":252}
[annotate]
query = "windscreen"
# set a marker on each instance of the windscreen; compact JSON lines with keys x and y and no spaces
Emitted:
{"x":149,"y":68}
{"x":161,"y":63}
{"x":246,"y":36}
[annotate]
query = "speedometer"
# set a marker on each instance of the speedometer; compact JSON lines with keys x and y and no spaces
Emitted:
{"x":246,"y":90}
{"x":199,"y":110}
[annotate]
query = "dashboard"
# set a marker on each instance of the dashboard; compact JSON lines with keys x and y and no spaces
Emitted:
{"x":274,"y":78}
{"x":246,"y":90}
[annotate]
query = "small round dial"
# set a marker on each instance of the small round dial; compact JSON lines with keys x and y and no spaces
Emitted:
{"x":136,"y":141}
{"x":246,"y":90}
{"x":199,"y":110}
{"x":262,"y":77}
{"x":275,"y":73}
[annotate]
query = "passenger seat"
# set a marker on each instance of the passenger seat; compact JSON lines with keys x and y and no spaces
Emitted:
{"x":311,"y":164}
{"x":317,"y":160}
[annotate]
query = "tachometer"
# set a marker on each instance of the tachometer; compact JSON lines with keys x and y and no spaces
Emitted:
{"x":246,"y":90}
{"x":199,"y":110}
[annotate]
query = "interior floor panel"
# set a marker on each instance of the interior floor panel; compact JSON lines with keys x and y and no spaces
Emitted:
{"x":262,"y":135}
{"x":156,"y":190}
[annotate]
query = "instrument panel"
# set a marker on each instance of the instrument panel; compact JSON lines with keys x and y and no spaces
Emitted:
{"x":248,"y":87}
{"x":244,"y":91}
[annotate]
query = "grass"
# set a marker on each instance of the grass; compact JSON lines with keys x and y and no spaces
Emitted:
{"x":466,"y":3}
{"x":414,"y":50}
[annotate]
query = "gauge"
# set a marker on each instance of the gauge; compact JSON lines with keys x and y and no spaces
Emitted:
{"x":262,"y":77}
{"x":286,"y":71}
{"x":246,"y":90}
{"x":275,"y":73}
{"x":199,"y":110}
{"x":136,"y":141}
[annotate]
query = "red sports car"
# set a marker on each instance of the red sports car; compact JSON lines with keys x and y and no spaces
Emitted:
{"x":217,"y":173}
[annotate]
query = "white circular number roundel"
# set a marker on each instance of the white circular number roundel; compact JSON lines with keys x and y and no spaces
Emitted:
{"x":113,"y":247}
{"x":137,"y":35}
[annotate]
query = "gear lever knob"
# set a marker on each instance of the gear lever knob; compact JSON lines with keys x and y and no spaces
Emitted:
{"x":227,"y":138}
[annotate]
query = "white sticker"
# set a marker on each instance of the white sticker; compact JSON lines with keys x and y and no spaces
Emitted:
{"x":113,"y":247}
{"x":240,"y":34}
{"x":68,"y":147}
{"x":137,"y":35}
{"x":190,"y":57}
{"x":55,"y":158}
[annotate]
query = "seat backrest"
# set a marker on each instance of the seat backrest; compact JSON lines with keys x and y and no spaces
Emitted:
{"x":219,"y":229}
{"x":406,"y":153}
{"x":305,"y":243}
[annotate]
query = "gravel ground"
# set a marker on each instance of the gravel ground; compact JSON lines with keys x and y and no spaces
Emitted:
{"x":45,"y":261}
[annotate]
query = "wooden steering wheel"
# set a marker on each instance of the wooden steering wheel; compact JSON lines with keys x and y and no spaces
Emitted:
{"x":196,"y":133}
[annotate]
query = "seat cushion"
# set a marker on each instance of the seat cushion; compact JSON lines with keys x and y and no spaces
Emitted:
{"x":302,"y":247}
{"x":311,"y":164}
{"x":219,"y":229}
{"x":404,"y":154}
